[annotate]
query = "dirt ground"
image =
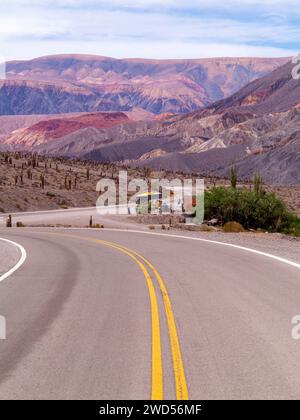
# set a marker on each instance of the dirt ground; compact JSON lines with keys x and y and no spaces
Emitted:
{"x":29,"y":183}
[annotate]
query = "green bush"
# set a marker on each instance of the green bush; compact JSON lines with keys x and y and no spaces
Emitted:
{"x":291,"y":226}
{"x":251,"y":209}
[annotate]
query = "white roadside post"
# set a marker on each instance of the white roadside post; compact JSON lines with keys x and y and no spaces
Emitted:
{"x":2,"y":328}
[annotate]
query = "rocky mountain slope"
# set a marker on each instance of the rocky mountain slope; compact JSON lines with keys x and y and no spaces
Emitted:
{"x":276,"y":92}
{"x":257,"y":129}
{"x":78,"y":83}
{"x":46,"y":131}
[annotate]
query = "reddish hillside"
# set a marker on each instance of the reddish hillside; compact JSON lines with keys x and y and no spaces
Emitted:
{"x":52,"y":129}
{"x":56,"y":128}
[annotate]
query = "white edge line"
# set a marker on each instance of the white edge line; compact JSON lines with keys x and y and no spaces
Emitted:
{"x":19,"y":263}
{"x":253,"y":251}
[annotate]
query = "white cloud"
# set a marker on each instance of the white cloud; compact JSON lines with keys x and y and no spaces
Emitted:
{"x":31,"y":28}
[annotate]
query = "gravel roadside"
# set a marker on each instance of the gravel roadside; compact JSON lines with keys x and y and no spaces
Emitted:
{"x":283,"y":246}
{"x":279,"y":245}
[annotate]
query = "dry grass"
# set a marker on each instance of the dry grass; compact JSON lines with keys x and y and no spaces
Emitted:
{"x":233,"y":227}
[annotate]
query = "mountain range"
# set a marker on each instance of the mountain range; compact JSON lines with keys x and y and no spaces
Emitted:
{"x":79,"y":83}
{"x":257,"y":128}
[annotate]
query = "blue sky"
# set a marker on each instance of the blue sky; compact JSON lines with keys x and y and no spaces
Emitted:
{"x":149,"y":28}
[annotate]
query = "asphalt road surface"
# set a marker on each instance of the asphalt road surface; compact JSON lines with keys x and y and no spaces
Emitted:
{"x":77,"y":217}
{"x":122,"y":315}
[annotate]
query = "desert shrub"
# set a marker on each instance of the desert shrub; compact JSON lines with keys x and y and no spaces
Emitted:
{"x":291,"y":225}
{"x":20,"y":225}
{"x":97,"y":226}
{"x":233,"y":227}
{"x":221,"y":203}
{"x":50,"y":194}
{"x":264,"y":211}
{"x":251,"y":209}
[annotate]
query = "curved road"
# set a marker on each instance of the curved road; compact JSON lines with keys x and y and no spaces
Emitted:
{"x":89,"y":319}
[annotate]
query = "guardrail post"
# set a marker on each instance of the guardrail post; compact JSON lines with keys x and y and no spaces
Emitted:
{"x":9,"y":221}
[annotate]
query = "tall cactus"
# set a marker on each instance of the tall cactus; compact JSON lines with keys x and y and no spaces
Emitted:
{"x":233,"y":177}
{"x":258,"y":185}
{"x":42,"y":178}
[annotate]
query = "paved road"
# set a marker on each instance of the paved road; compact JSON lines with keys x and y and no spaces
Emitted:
{"x":9,"y":256}
{"x":78,"y":217}
{"x":83,"y":323}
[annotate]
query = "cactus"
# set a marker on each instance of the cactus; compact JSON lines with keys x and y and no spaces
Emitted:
{"x":258,"y":187}
{"x":42,"y":178}
{"x":233,"y":177}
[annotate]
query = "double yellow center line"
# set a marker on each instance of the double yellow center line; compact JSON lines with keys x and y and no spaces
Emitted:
{"x":157,"y":368}
{"x":157,"y":376}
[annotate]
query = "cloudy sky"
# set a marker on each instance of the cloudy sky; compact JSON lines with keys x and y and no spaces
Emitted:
{"x":149,"y":28}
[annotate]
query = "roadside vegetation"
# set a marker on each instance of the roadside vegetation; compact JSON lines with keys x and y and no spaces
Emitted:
{"x":253,"y":208}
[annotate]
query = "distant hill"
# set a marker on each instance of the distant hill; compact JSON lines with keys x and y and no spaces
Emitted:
{"x":79,"y":83}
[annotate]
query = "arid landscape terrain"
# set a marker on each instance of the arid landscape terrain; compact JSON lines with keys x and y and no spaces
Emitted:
{"x":256,"y":129}
{"x":198,"y":117}
{"x":31,"y":183}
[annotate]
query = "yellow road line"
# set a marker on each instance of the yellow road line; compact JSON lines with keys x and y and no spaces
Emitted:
{"x":179,"y":374}
{"x":157,"y":370}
